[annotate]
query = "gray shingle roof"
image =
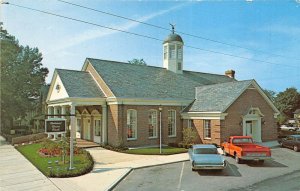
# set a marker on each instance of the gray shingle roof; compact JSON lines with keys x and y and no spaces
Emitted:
{"x":137,"y":81}
{"x":217,"y":97}
{"x":79,"y":84}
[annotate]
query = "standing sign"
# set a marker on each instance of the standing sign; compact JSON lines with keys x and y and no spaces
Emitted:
{"x":55,"y":125}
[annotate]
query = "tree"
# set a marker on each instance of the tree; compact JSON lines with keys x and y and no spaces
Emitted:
{"x":137,"y":62}
{"x":288,"y":101}
{"x":22,"y":76}
{"x":271,"y":94}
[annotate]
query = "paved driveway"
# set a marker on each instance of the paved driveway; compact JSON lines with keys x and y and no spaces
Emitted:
{"x":179,"y":176}
{"x":17,"y":173}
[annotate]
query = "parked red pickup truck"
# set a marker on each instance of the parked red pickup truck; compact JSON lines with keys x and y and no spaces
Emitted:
{"x":243,"y":148}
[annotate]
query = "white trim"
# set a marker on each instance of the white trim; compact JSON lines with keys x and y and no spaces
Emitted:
{"x":145,"y":101}
{"x":84,"y":67}
{"x":97,"y":84}
{"x":204,"y":115}
{"x":78,"y":101}
{"x":53,"y":80}
{"x":261,"y":92}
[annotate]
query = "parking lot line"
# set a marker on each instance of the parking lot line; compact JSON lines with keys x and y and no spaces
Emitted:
{"x":180,"y":178}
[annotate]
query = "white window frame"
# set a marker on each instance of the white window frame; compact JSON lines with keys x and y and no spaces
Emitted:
{"x":132,"y":123}
{"x":172,"y":52}
{"x":152,"y":122}
{"x":173,"y":125}
{"x":207,"y":126}
{"x":179,"y":51}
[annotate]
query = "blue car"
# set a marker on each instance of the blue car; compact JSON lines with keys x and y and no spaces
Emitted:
{"x":206,"y":157}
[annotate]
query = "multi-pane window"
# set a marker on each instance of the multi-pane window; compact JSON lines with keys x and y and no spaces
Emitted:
{"x":152,"y":123}
{"x":131,"y":124}
{"x":172,"y":51}
{"x":97,"y":127}
{"x":165,"y":52}
{"x":207,"y":129}
{"x":179,"y":52}
{"x":171,"y":123}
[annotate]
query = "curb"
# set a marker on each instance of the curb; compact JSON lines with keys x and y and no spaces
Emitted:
{"x":113,"y":185}
{"x":147,"y":166}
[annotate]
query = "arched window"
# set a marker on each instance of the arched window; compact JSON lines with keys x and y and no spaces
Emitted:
{"x":131,"y":124}
{"x":171,"y":123}
{"x":152,"y":123}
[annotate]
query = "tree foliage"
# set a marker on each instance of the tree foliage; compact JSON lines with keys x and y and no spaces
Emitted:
{"x":271,"y":94}
{"x":137,"y":62}
{"x":22,"y":76}
{"x":288,"y":101}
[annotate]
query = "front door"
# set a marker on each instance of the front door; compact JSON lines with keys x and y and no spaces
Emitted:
{"x":249,"y":130}
{"x":87,"y":128}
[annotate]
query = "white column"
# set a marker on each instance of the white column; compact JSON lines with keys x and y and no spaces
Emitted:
{"x":104,"y":124}
{"x":73,"y":132}
{"x":55,"y":111}
{"x":63,"y":112}
{"x":49,"y":112}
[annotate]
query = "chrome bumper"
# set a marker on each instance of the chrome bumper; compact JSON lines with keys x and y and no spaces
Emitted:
{"x":255,"y":158}
{"x":209,"y":167}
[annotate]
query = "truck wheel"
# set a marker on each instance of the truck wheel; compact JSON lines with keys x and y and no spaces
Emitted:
{"x":296,"y":148}
{"x":261,"y":161}
{"x":237,"y":159}
{"x":193,"y":166}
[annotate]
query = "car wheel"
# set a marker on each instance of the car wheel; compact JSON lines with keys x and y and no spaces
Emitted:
{"x":224,"y":152}
{"x":281,"y":144}
{"x":193,"y":169}
{"x":237,"y":159}
{"x":296,"y":148}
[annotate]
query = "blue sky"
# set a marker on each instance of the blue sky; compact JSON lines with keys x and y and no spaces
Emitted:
{"x":270,"y":26}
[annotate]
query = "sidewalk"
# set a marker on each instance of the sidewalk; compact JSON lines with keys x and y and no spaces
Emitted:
{"x":17,"y":173}
{"x":111,"y":167}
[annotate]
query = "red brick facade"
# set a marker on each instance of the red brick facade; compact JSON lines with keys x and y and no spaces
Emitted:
{"x":232,"y":125}
{"x":117,"y":125}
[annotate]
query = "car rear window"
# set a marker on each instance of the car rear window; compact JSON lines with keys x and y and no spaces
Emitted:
{"x":205,"y":151}
{"x":242,"y":140}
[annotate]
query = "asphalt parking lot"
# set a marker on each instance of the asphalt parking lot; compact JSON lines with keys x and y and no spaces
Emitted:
{"x":281,"y":173}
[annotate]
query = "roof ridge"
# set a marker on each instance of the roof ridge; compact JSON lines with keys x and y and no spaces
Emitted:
{"x":205,"y":73}
{"x":119,"y":62}
{"x":71,"y":70}
{"x":222,"y":83}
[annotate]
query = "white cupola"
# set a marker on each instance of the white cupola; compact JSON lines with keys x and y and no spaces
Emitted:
{"x":173,"y":52}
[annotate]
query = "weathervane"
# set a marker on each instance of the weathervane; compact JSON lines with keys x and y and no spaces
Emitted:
{"x":173,"y":27}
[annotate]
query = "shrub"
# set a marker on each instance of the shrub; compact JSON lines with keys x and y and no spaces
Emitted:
{"x":189,"y":136}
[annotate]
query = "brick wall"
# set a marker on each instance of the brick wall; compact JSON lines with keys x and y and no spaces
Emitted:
{"x":215,"y":132}
{"x":117,"y":125}
{"x":250,"y":98}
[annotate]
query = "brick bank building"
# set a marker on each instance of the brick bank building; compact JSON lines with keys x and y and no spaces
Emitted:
{"x":123,"y":104}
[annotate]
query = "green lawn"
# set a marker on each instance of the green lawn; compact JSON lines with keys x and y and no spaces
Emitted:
{"x":155,"y":151}
{"x":83,"y":163}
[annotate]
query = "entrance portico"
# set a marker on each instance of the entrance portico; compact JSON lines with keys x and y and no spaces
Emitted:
{"x":89,"y":116}
{"x":252,"y":124}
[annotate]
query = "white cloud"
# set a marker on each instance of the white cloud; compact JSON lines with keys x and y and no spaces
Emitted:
{"x":101,"y":32}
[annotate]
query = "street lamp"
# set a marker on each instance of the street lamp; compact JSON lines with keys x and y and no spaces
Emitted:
{"x":160,"y":109}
